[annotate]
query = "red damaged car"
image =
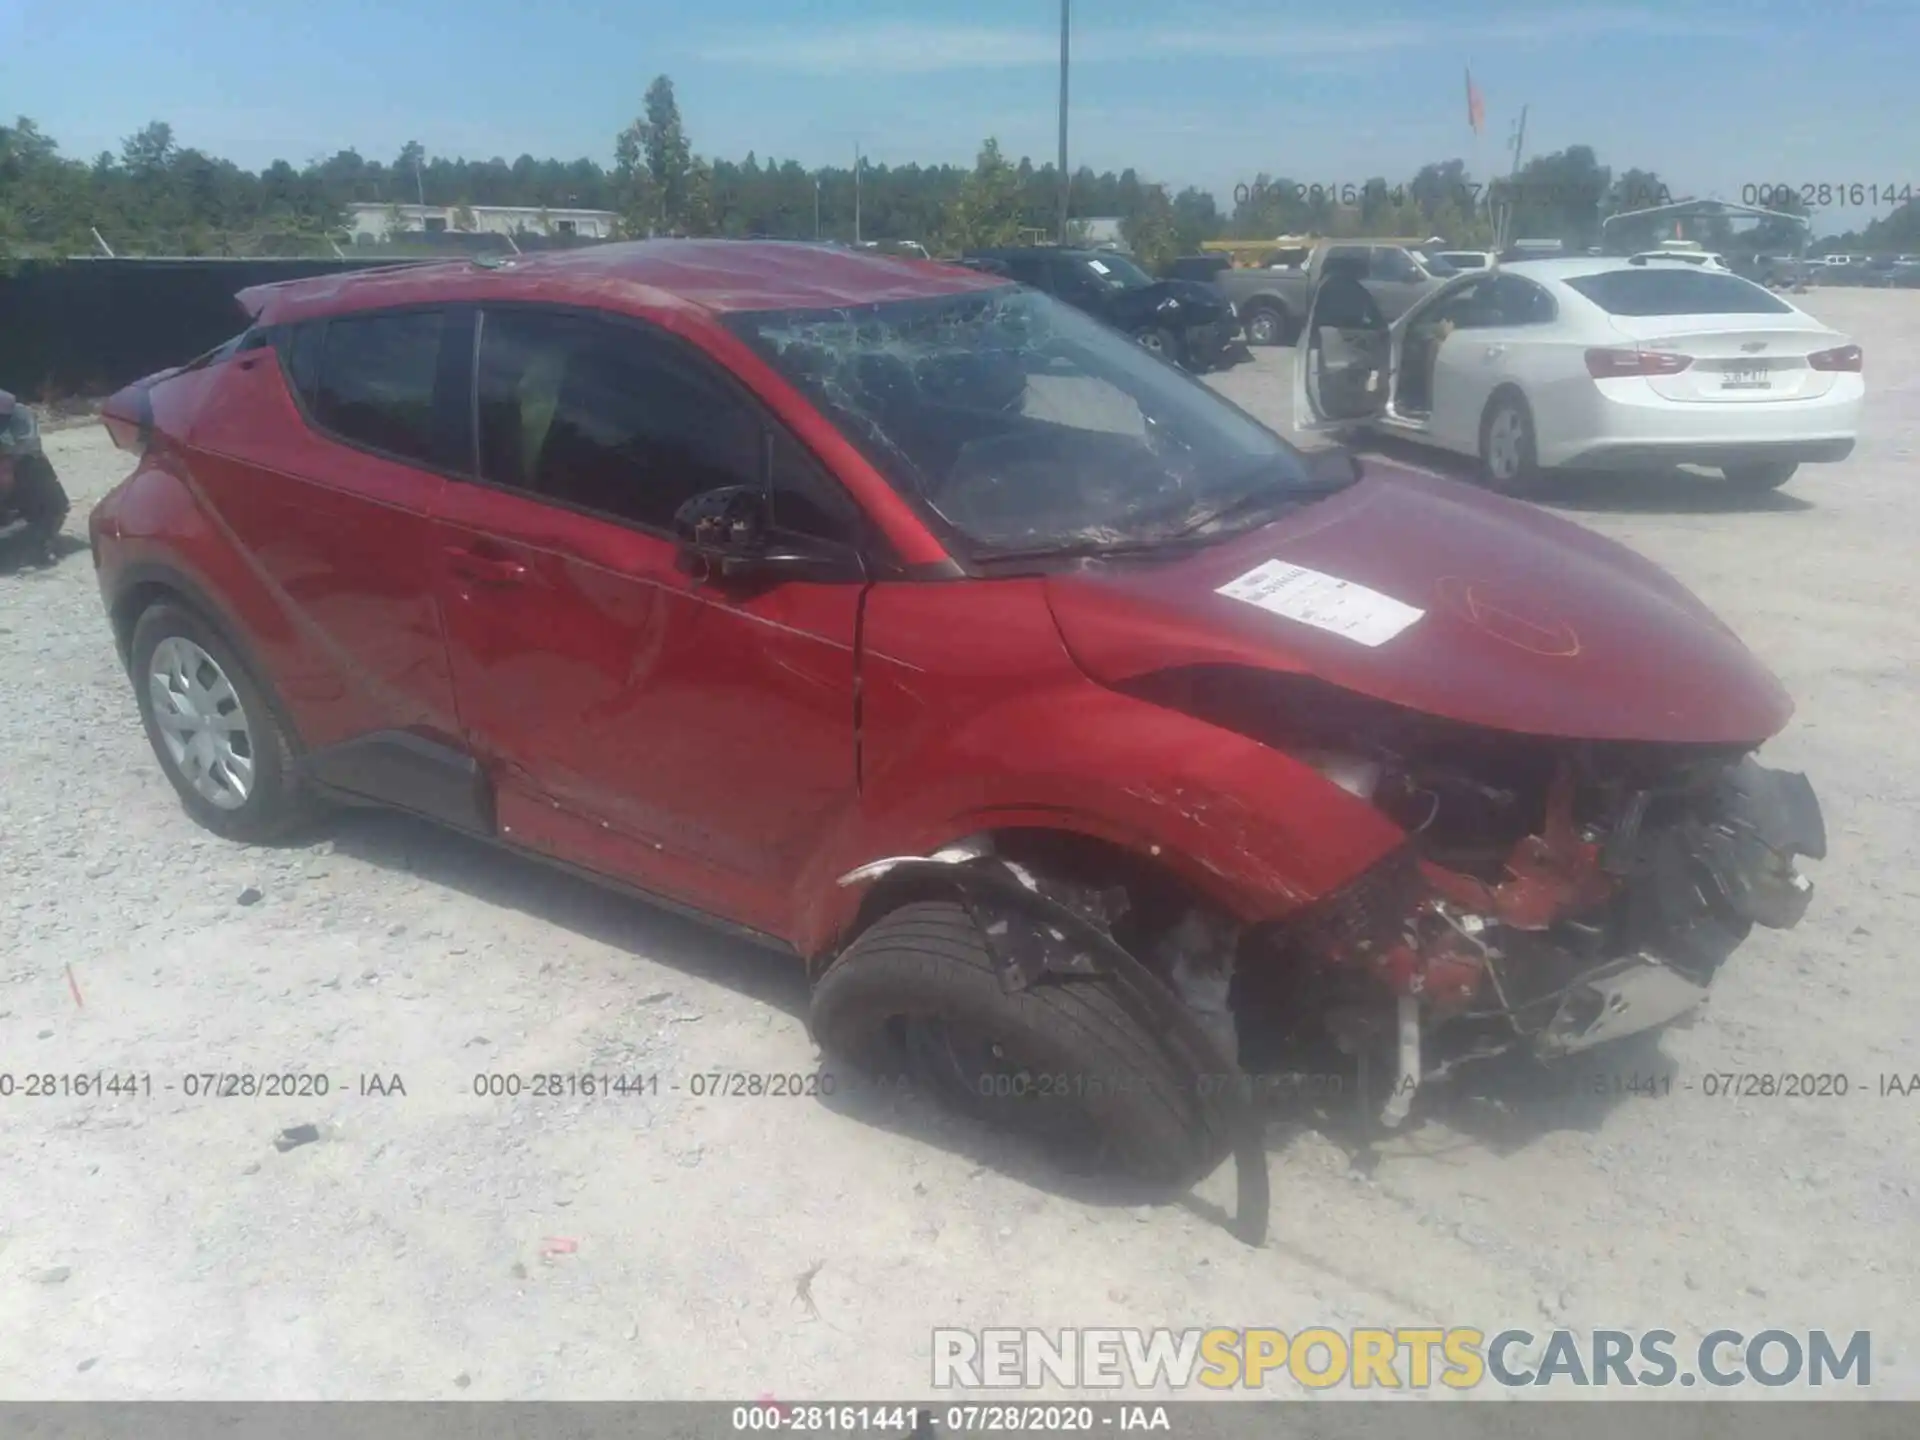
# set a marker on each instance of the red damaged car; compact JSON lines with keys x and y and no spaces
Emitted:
{"x":1094,"y":748}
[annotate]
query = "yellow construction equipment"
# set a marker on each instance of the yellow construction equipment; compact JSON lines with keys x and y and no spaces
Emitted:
{"x":1257,"y":254}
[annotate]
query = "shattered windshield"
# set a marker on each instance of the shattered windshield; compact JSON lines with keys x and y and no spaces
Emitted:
{"x":1026,"y":427}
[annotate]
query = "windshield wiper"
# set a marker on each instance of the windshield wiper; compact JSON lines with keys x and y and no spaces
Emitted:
{"x":1322,"y":479}
{"x":1251,"y":500}
{"x":1328,"y":472}
{"x":1081,"y":549}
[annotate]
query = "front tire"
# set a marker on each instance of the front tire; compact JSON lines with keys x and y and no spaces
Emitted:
{"x":1163,"y":343}
{"x":216,"y":732}
{"x":1063,"y":1062}
{"x":1760,"y":477}
{"x":1509,"y":453}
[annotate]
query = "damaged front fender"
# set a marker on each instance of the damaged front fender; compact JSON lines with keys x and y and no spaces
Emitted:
{"x":1251,"y":830}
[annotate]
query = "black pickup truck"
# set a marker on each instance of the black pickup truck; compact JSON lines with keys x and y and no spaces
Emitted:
{"x":1189,"y":322}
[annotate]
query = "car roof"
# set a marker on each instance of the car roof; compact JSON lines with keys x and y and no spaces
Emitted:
{"x":1002,"y":252}
{"x":1570,"y":267}
{"x":711,"y":276}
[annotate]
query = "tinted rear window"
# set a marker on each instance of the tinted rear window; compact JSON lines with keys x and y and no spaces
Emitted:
{"x":1681,"y":290}
{"x":1352,"y":259}
{"x":1027,"y":269}
{"x":376,"y":381}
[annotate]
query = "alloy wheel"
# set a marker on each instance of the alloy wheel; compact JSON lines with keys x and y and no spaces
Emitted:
{"x":201,"y":722}
{"x":1506,"y":439}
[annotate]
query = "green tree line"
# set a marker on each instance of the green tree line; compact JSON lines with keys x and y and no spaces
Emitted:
{"x":157,"y":197}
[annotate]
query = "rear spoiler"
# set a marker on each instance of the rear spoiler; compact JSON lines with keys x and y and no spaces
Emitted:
{"x":255,"y":298}
{"x":128,"y":413}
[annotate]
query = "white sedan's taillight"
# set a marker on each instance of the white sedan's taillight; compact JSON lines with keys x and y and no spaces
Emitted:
{"x":1612,"y":364}
{"x":1846,"y":357}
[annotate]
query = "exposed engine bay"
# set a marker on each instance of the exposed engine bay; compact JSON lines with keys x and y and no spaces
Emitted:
{"x":1550,"y":896}
{"x":1608,"y":913}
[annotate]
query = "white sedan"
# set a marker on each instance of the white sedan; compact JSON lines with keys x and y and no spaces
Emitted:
{"x":1595,"y":363}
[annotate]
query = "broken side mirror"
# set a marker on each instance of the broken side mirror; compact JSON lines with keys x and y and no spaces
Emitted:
{"x":727,"y":535}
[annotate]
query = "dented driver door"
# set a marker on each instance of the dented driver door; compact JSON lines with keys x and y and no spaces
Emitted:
{"x":685,"y":737}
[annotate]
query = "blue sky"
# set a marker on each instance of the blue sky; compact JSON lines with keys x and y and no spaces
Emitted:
{"x":1714,"y":96}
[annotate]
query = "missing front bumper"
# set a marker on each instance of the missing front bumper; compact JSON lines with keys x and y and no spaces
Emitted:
{"x":1624,"y":998}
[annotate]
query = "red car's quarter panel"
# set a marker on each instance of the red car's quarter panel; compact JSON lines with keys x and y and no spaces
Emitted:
{"x":338,"y":537}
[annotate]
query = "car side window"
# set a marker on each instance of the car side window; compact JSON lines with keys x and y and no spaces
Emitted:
{"x":600,"y":416}
{"x":375,"y":382}
{"x":299,"y":350}
{"x":605,"y":417}
{"x":1349,"y":258}
{"x":1466,"y":307}
{"x":805,"y":500}
{"x":1520,"y":302}
{"x":1035,"y":271}
{"x":1392,"y":263}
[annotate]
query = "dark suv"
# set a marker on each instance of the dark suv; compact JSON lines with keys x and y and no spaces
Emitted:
{"x":1189,"y":322}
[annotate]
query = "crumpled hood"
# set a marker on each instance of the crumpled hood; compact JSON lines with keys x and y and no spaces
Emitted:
{"x":1527,"y":622}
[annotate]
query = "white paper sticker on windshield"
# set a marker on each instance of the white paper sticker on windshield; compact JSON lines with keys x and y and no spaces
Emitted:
{"x":1100,"y":266}
{"x":1325,"y":602}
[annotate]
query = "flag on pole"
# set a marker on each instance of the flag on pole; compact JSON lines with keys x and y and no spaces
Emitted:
{"x":1476,"y":105}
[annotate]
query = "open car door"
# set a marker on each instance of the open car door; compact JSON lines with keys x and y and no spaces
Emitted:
{"x":1342,"y":368}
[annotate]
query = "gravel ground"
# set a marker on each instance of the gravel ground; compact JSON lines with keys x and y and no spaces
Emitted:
{"x":437,"y":1244}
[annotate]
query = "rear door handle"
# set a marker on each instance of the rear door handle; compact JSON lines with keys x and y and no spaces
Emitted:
{"x":485,"y":569}
{"x":1494,"y":352}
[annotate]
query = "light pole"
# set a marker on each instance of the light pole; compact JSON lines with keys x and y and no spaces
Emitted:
{"x":856,"y":192}
{"x":1065,"y":183}
{"x":1503,"y":229}
{"x":816,"y":209}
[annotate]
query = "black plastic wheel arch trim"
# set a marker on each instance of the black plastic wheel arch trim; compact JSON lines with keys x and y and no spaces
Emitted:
{"x":985,"y":884}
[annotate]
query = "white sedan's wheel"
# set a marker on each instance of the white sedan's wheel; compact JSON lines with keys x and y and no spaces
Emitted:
{"x":1509,"y":461}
